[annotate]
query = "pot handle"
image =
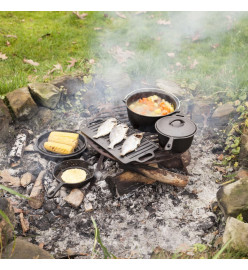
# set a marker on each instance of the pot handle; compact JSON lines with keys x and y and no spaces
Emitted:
{"x":55,"y":190}
{"x":169,"y":144}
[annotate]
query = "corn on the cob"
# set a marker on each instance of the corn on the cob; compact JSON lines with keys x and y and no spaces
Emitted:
{"x":59,"y":148}
{"x":73,"y":136}
{"x":63,"y":140}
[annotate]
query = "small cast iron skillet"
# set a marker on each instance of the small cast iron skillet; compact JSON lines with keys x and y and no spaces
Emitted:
{"x":144,"y":122}
{"x":66,"y":165}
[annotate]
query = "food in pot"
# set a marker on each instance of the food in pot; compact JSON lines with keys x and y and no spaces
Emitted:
{"x":117,"y":134}
{"x":64,"y":138}
{"x":59,"y":148}
{"x":73,"y":176}
{"x":106,"y":127}
{"x":131,"y":143}
{"x":152,"y":106}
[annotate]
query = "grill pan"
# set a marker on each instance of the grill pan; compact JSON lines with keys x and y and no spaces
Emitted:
{"x":142,"y":154}
{"x":66,"y":165}
{"x":39,"y":146}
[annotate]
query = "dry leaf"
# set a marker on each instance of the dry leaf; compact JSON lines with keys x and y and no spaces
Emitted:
{"x":80,"y":16}
{"x":220,"y":157}
{"x":171,"y":54}
{"x":192,"y":66}
{"x":91,"y":61}
{"x":178,"y":64}
{"x":121,"y":15}
{"x":7,"y":43}
{"x":220,"y":169}
{"x":7,"y":178}
{"x":30,"y":62}
{"x":17,"y":210}
{"x":3,"y":56}
{"x":214,"y":46}
{"x":163,"y":22}
{"x":24,"y":223}
{"x":72,"y":62}
{"x":196,"y":37}
{"x":97,"y":28}
{"x":120,"y":55}
{"x":56,"y":67}
{"x":32,"y":78}
{"x":11,"y":36}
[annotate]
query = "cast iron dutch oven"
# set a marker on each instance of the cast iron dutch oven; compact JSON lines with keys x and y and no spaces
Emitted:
{"x":143,"y":122}
{"x":66,"y":165}
{"x":175,"y":132}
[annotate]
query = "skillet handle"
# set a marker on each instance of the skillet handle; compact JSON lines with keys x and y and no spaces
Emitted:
{"x":53,"y":192}
{"x":169,"y":144}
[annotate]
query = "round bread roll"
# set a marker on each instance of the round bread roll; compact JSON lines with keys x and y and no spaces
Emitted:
{"x":73,"y":176}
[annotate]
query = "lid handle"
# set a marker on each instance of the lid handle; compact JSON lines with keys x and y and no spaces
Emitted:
{"x":177,"y":123}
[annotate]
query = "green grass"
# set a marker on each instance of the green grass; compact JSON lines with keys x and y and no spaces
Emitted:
{"x":48,"y":38}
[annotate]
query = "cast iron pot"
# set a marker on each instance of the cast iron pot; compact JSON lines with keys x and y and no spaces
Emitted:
{"x":146,"y":123}
{"x":175,"y":132}
{"x":66,"y":165}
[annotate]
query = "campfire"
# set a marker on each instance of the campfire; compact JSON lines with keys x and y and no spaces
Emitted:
{"x":128,"y":196}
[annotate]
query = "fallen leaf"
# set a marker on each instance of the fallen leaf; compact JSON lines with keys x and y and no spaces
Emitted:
{"x":56,"y":67}
{"x":32,"y":78}
{"x":3,"y":56}
{"x":163,"y":22}
{"x":178,"y":64}
{"x":171,"y":54}
{"x":193,"y":65}
{"x":91,"y":61}
{"x":196,"y":37}
{"x":97,"y":28}
{"x":17,"y":210}
{"x":7,"y":43}
{"x":121,"y":15}
{"x":11,"y":36}
{"x":72,"y":62}
{"x":11,"y":180}
{"x":214,"y":46}
{"x":121,"y":55}
{"x":220,"y":169}
{"x":220,"y":157}
{"x":80,"y":16}
{"x":24,"y":223}
{"x":74,"y":42}
{"x":30,"y":62}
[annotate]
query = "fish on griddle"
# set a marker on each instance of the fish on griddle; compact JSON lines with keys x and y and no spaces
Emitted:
{"x":117,"y":134}
{"x":131,"y":143}
{"x":105,"y":128}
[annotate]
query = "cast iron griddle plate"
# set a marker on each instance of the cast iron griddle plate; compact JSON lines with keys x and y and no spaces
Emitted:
{"x":44,"y":137}
{"x":142,"y":154}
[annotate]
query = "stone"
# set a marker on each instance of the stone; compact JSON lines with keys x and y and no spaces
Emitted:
{"x":201,"y":110}
{"x":5,"y":119}
{"x":22,"y":104}
{"x":75,"y":197}
{"x":37,"y":193}
{"x":242,"y":173}
{"x":45,"y":94}
{"x":237,"y":232}
{"x":243,"y":155}
{"x":170,"y":87}
{"x":25,"y":250}
{"x":26,"y":179}
{"x":6,"y":232}
{"x":88,"y":207}
{"x":44,"y":116}
{"x":222,"y":114}
{"x":233,"y":198}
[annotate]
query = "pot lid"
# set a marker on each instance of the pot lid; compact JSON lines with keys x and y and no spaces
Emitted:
{"x":175,"y":126}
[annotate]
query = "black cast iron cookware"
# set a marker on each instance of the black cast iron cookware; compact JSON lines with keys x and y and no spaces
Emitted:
{"x":175,"y":132}
{"x":143,"y":122}
{"x":66,"y":165}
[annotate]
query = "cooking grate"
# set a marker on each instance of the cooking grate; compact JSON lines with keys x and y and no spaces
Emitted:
{"x":142,"y":154}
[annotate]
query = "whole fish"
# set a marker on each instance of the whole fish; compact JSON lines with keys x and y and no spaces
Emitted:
{"x":117,"y":134}
{"x":106,"y":127}
{"x":131,"y":143}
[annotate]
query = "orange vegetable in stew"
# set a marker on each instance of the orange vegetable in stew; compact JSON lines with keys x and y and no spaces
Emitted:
{"x":152,"y":106}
